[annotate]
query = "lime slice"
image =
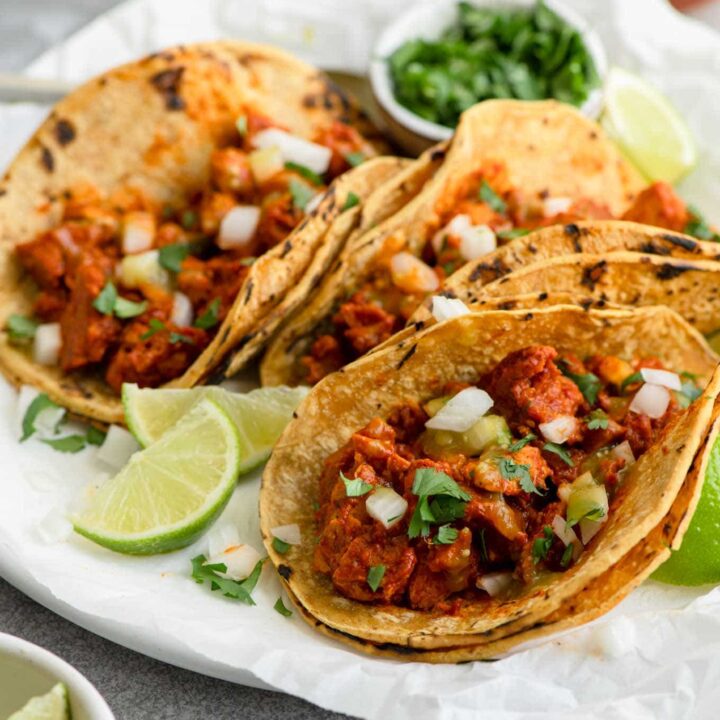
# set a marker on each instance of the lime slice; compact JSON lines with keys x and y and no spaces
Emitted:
{"x":647,"y":127}
{"x":260,"y":415}
{"x":54,"y":705}
{"x":697,"y":562}
{"x":168,"y":494}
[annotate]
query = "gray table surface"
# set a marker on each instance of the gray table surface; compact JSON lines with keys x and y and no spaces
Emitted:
{"x":135,"y":687}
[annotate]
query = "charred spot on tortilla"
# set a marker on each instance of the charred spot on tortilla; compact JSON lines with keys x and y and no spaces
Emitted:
{"x":593,"y":274}
{"x":683,"y":242}
{"x":572,"y":230}
{"x":532,"y":249}
{"x":248,"y":292}
{"x":586,"y":304}
{"x":419,"y":325}
{"x":47,"y":159}
{"x":447,"y":293}
{"x":653,"y":249}
{"x":542,"y":296}
{"x":507,"y":304}
{"x":407,"y":356}
{"x":64,"y":131}
{"x":392,"y":647}
{"x":438,"y":154}
{"x":167,"y":83}
{"x":285,"y":571}
{"x":3,"y":191}
{"x":668,"y":271}
{"x":645,"y":260}
{"x":287,"y":247}
{"x":528,"y":316}
{"x":496,"y":269}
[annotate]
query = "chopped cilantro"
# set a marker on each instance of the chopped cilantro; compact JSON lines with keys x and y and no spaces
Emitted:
{"x":375,"y":576}
{"x":242,"y":125}
{"x":448,"y":505}
{"x":39,"y":403}
{"x":68,"y":444}
{"x":429,"y":481}
{"x":355,"y":158}
{"x":511,"y":470}
{"x":171,"y":256}
{"x":512,"y":234}
{"x":491,"y":198}
{"x":690,"y":391}
{"x":105,"y":301}
{"x":176,"y":337}
{"x":210,"y":317}
{"x":238,"y":590}
{"x":446,"y":509}
{"x":280,"y":545}
{"x":635,"y":377}
{"x":355,"y":487}
{"x":446,"y":535}
{"x":21,"y":328}
{"x":522,"y":442}
{"x":597,"y":420}
{"x":560,"y":451}
{"x":95,"y":436}
{"x":127,"y":308}
{"x":541,"y":546}
{"x":188,"y":220}
{"x":588,"y":383}
{"x":567,"y":555}
{"x":698,"y":227}
{"x":154,"y":326}
{"x":350,"y":201}
{"x":301,"y":193}
{"x":279,"y":606}
{"x":306,"y":172}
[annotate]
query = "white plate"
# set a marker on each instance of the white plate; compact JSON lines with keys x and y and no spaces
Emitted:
{"x":646,"y":659}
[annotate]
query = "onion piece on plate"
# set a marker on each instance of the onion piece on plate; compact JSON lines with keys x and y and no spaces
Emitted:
{"x":240,"y":561}
{"x":238,"y":227}
{"x":118,"y":447}
{"x":289,"y":534}
{"x":295,"y":149}
{"x":222,"y":537}
{"x":462,"y":411}
{"x":445,"y":308}
{"x":651,"y":400}
{"x":386,"y":506}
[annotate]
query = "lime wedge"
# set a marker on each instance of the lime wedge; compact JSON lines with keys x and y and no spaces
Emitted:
{"x":697,"y":562}
{"x":260,"y":415}
{"x":647,"y":127}
{"x":168,"y":494}
{"x":54,"y":705}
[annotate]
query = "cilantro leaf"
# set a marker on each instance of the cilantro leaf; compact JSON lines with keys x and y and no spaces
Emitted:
{"x":105,"y":301}
{"x":40,"y":402}
{"x":690,"y":391}
{"x":301,"y":193}
{"x":21,"y":328}
{"x":171,"y":256}
{"x":350,"y":201}
{"x":597,"y":420}
{"x":446,"y":535}
{"x":447,"y":506}
{"x":155,"y":326}
{"x":429,"y":481}
{"x":698,"y":227}
{"x":520,"y":444}
{"x":210,"y":317}
{"x":127,"y":308}
{"x":176,"y":337}
{"x":631,"y":380}
{"x":567,"y":555}
{"x":511,"y":470}
{"x":355,"y":487}
{"x":541,"y":546}
{"x":491,"y":198}
{"x":188,"y":219}
{"x":203,"y":572}
{"x":280,"y":546}
{"x":68,"y":444}
{"x":95,"y":436}
{"x":279,"y":606}
{"x":355,"y":158}
{"x":560,"y":451}
{"x":588,"y":383}
{"x":306,"y":172}
{"x":375,"y":576}
{"x":512,"y":234}
{"x":445,"y":509}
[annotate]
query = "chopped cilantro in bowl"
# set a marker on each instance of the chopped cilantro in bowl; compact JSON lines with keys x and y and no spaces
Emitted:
{"x":440,"y":60}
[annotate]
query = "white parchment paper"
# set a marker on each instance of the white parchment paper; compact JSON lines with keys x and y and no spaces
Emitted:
{"x":655,"y":656}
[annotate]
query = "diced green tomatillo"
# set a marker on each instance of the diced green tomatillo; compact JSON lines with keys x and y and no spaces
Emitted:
{"x":433,"y":407}
{"x":488,"y":431}
{"x":587,"y":500}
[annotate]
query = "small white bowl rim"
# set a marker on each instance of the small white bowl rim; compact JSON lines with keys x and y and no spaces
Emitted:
{"x":391,"y":38}
{"x":82,"y":692}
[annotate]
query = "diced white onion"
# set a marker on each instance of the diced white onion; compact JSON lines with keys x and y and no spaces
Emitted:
{"x":117,"y":448}
{"x":143,"y":269}
{"x":665,"y":378}
{"x":495,"y":583}
{"x":556,"y":205}
{"x":295,"y":149}
{"x":182,"y":310}
{"x":386,"y":506}
{"x":46,"y":344}
{"x":564,"y":491}
{"x":288,"y":533}
{"x":590,"y":528}
{"x":240,"y":561}
{"x":265,"y":163}
{"x":412,"y":275}
{"x":238,"y":227}
{"x":651,"y":400}
{"x":445,"y":308}
{"x":564,"y":532}
{"x":475,"y":240}
{"x":462,"y":411}
{"x":624,"y":452}
{"x":54,"y":527}
{"x":314,"y":203}
{"x":138,"y":232}
{"x":559,"y":429}
{"x":222,"y":537}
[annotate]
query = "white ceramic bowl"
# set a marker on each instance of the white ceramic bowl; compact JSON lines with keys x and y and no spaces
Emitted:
{"x":429,"y":20}
{"x":27,"y":670}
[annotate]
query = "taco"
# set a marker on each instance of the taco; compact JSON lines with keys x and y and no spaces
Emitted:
{"x":163,"y":209}
{"x":512,"y":167}
{"x":442,"y":530}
